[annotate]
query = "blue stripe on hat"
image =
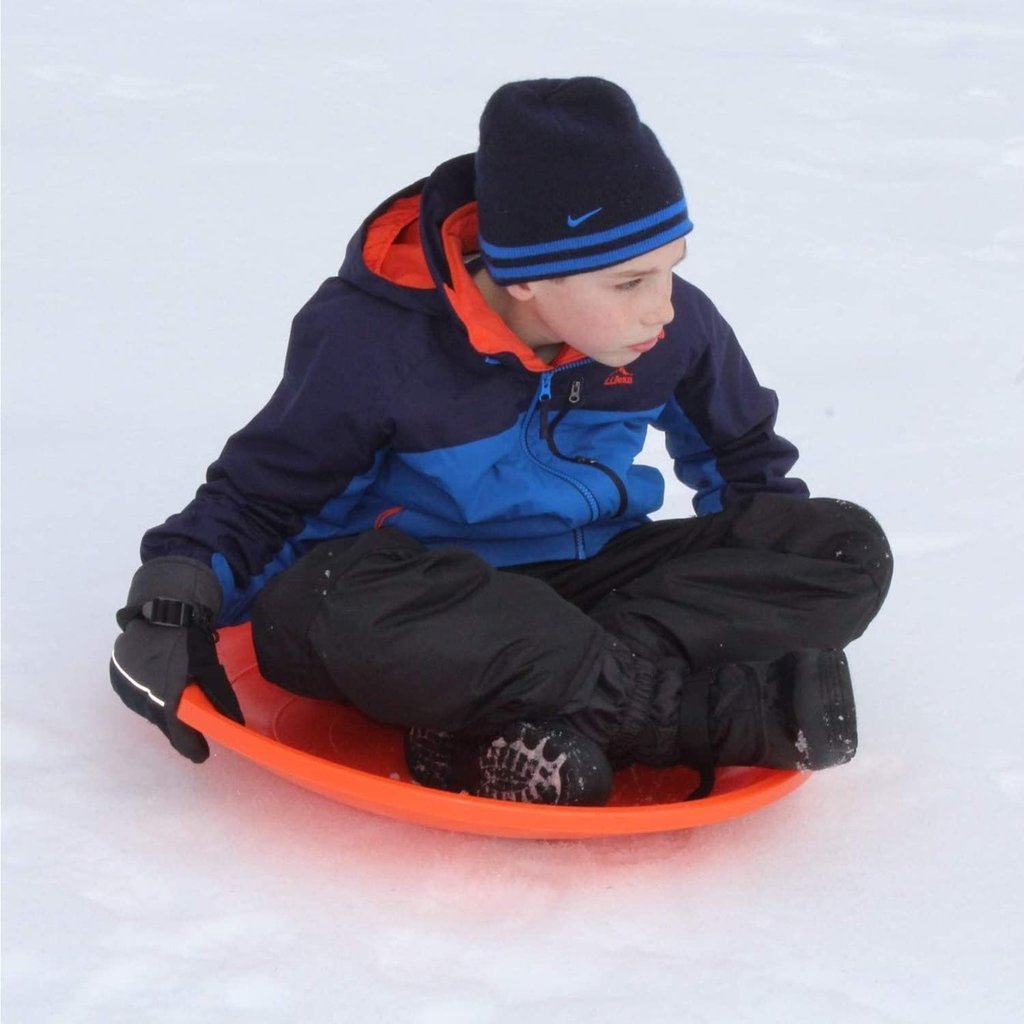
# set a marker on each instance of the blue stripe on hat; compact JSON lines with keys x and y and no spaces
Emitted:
{"x":506,"y":252}
{"x":605,"y":258}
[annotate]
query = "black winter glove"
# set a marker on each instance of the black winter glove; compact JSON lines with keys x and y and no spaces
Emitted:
{"x":168,"y":642}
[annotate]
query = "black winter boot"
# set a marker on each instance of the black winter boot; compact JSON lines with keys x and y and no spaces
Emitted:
{"x":541,"y":763}
{"x":797,"y":712}
{"x":793,"y":713}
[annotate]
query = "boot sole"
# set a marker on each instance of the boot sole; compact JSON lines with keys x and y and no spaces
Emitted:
{"x":826,"y":715}
{"x":429,"y":755}
{"x":536,"y":764}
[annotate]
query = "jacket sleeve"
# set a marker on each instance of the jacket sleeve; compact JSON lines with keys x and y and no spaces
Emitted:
{"x":317,"y":440}
{"x":720,"y":424}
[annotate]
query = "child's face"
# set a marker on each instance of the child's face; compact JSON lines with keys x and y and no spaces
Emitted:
{"x":613,"y":315}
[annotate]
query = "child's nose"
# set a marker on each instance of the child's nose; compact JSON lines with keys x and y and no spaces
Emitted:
{"x":662,"y":313}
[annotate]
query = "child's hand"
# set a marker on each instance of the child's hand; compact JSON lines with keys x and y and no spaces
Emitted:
{"x":167,"y":643}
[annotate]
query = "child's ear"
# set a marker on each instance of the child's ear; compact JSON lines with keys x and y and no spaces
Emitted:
{"x":522,"y":292}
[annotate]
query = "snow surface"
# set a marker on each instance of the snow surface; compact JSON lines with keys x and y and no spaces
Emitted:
{"x":180,"y":177}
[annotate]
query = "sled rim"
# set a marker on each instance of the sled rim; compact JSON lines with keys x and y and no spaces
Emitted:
{"x":461,"y":812}
{"x":275,"y":716}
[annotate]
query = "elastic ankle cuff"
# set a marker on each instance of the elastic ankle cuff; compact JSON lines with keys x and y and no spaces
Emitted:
{"x":625,"y":743}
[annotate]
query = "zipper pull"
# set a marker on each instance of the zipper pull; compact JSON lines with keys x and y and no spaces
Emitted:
{"x":575,"y":392}
{"x":544,"y":402}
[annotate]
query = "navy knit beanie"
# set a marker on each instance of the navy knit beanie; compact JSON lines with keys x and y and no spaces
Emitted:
{"x":569,"y":180}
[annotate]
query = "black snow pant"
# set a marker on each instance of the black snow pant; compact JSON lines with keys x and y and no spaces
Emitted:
{"x":439,"y":638}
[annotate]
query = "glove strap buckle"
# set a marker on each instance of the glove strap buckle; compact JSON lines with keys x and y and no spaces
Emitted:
{"x":169,"y":612}
{"x":165,"y":611}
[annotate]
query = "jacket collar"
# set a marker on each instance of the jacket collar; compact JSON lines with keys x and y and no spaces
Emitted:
{"x":413,"y":250}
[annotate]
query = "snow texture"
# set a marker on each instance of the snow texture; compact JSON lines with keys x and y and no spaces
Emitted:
{"x":180,"y":177}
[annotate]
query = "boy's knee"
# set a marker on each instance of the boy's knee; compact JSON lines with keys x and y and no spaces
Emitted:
{"x":819,"y":528}
{"x":855,"y":536}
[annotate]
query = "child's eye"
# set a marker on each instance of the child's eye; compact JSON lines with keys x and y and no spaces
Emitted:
{"x":627,"y":286}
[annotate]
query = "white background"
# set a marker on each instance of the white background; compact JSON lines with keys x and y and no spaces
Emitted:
{"x":179,"y":177}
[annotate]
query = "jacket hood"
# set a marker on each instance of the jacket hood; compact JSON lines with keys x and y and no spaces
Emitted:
{"x":412,"y":251}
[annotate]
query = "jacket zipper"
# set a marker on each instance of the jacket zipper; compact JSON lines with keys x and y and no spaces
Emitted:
{"x":588,"y":497}
{"x":547,"y":432}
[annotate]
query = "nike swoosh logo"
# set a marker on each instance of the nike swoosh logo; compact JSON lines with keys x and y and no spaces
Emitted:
{"x":575,"y":222}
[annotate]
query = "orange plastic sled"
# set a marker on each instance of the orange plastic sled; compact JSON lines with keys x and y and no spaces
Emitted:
{"x":339,"y":753}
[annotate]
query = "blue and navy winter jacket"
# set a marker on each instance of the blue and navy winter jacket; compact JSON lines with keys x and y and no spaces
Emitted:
{"x":406,"y":401}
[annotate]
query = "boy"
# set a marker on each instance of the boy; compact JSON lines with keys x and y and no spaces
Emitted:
{"x":437,"y":516}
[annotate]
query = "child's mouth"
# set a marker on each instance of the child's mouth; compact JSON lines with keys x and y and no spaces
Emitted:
{"x":644,"y":346}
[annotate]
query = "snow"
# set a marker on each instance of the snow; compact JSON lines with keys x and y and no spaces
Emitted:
{"x":180,"y":177}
